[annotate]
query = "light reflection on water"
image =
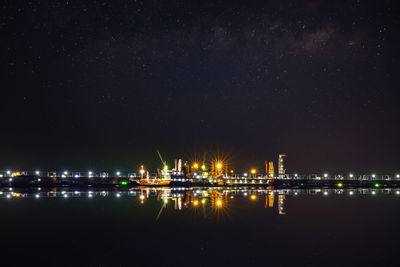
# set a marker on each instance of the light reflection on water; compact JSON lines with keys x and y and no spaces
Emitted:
{"x":214,"y":199}
{"x":201,"y":226}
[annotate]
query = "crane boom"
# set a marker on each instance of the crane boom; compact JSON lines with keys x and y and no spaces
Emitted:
{"x":163,"y":162}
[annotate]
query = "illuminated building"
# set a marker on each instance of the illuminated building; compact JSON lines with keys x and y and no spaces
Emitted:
{"x":281,"y":169}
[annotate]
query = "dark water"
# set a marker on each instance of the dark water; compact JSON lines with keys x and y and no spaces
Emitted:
{"x":175,"y":228}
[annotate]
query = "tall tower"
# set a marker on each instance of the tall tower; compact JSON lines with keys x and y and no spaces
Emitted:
{"x":271,"y":169}
{"x":281,"y":169}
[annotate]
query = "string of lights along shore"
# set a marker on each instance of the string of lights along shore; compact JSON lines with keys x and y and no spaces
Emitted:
{"x":216,"y":172}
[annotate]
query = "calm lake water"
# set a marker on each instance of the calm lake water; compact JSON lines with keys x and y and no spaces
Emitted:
{"x":200,"y":227}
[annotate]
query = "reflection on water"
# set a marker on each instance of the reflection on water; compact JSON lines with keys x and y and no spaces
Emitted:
{"x":200,"y":227}
{"x":196,"y":198}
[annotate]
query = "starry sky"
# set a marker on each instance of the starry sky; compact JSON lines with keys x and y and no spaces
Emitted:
{"x":101,"y":85}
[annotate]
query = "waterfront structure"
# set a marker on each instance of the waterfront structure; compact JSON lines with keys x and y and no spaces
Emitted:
{"x":281,"y":169}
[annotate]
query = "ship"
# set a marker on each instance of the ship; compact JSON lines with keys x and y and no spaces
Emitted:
{"x":163,"y":179}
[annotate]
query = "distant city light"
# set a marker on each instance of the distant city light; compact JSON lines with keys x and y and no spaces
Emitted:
{"x":373,"y":192}
{"x":373,"y":175}
{"x":219,"y":202}
{"x":8,"y":172}
{"x":340,"y":185}
{"x":351,"y":175}
{"x":118,"y":194}
{"x":37,"y":195}
{"x":245,"y":174}
{"x":76,"y":176}
{"x":253,"y":171}
{"x":253,"y":197}
{"x":351,"y":193}
{"x":325,"y":193}
{"x":65,"y":172}
{"x":376,"y":185}
{"x":325,"y":175}
{"x":118,"y":173}
{"x":37,"y":172}
{"x":398,"y":176}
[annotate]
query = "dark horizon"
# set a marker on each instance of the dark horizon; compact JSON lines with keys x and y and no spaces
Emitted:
{"x":102,"y":86}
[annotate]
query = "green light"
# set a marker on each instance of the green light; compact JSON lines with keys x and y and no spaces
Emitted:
{"x":124,"y":182}
{"x":376,"y":185}
{"x":340,"y":185}
{"x":301,"y":184}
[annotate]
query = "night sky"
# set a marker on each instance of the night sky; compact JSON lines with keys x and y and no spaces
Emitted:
{"x":101,"y":85}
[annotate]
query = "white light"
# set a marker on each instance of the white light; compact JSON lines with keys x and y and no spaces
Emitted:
{"x":37,"y":195}
{"x":397,"y":192}
{"x":8,"y":172}
{"x":398,"y":176}
{"x":37,"y":172}
{"x":245,"y":174}
{"x":10,"y":179}
{"x":8,"y":196}
{"x":90,"y":192}
{"x":65,"y":172}
{"x":76,"y":192}
{"x":118,"y":173}
{"x":325,"y":193}
{"x":373,"y":175}
{"x":76,"y":176}
{"x":63,"y":176}
{"x":351,"y":193}
{"x":295,"y":175}
{"x":118,"y":195}
{"x":39,"y":180}
{"x":63,"y":192}
{"x":90,"y":195}
{"x":104,"y":176}
{"x":245,"y":194}
{"x":90,"y":173}
{"x":295,"y":193}
{"x":1,"y":175}
{"x":373,"y":192}
{"x":325,"y":175}
{"x":39,"y":188}
{"x":65,"y":195}
{"x":351,"y":175}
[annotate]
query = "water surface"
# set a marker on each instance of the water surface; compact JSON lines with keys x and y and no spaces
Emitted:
{"x":200,"y":227}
